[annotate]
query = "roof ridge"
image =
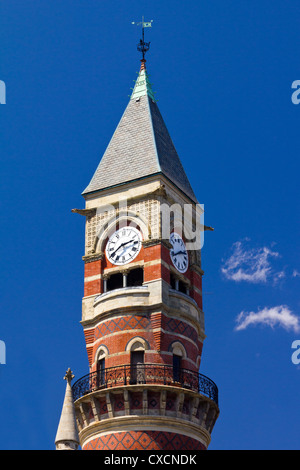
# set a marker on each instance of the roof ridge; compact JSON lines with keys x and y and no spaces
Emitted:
{"x":153,"y":136}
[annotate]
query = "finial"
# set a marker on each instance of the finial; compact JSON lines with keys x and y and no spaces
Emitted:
{"x":69,"y":376}
{"x":67,"y":433}
{"x":143,"y":46}
{"x":143,"y":66}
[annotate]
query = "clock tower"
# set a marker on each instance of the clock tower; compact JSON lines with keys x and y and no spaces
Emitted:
{"x":142,"y":312}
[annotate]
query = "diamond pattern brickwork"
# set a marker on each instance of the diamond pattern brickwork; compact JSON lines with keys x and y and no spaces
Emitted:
{"x":130,"y":322}
{"x":178,"y":326}
{"x":144,"y":440}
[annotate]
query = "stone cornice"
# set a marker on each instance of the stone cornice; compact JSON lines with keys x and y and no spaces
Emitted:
{"x":156,"y":241}
{"x":93,"y":257}
{"x":146,"y":422}
{"x":85,"y":212}
{"x":196,"y":267}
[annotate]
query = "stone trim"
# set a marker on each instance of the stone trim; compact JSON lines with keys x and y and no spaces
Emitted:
{"x":93,"y":257}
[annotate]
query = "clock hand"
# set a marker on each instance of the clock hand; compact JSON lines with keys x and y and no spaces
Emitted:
{"x":133,"y":242}
{"x":122,"y":244}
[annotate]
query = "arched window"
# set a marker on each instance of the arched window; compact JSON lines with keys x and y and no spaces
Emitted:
{"x":178,"y":352}
{"x":176,"y":368}
{"x":137,"y":360}
{"x":101,"y":367}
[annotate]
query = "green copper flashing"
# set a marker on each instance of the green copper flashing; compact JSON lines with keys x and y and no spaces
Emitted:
{"x":142,"y":86}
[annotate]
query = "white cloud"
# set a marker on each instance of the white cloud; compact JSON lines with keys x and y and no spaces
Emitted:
{"x":295,"y":273}
{"x":280,"y":315}
{"x":278,"y":276}
{"x":251,"y":264}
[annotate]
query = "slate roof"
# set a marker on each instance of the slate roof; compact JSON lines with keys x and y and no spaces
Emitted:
{"x":140,"y":146}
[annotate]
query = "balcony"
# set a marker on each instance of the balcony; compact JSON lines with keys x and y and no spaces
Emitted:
{"x":149,"y":374}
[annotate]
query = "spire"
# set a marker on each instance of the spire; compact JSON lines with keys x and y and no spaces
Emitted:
{"x":67,"y":434}
{"x":142,"y":85}
{"x":141,"y":145}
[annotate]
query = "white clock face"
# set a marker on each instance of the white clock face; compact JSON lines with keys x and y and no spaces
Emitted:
{"x":123,"y":246}
{"x":178,"y":253}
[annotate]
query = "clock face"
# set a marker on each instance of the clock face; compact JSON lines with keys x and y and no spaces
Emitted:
{"x":123,"y":246}
{"x":178,"y":253}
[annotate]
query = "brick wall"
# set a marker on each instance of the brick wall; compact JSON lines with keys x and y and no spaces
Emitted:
{"x":144,"y":440}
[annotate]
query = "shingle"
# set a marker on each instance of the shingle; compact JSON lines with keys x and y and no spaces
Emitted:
{"x":169,"y":160}
{"x":140,"y":146}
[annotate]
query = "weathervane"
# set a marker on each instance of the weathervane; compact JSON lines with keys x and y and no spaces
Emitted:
{"x":143,"y":46}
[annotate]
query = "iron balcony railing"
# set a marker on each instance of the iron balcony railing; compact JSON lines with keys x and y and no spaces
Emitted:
{"x":158,"y":374}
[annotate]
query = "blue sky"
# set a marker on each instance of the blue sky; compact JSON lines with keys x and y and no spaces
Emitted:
{"x":223,"y":73}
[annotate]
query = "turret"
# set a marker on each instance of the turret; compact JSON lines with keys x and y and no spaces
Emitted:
{"x":67,"y":434}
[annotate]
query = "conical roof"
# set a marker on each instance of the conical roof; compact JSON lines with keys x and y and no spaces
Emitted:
{"x":140,"y":146}
{"x":67,"y":429}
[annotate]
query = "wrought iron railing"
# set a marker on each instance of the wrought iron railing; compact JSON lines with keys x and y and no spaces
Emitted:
{"x":158,"y":374}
